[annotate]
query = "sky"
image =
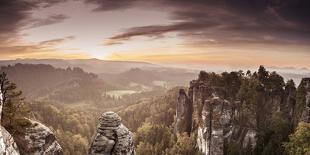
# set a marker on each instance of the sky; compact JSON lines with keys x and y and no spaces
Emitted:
{"x":243,"y":33}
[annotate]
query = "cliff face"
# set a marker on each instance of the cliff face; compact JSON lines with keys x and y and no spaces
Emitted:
{"x":7,"y":143}
{"x":213,"y":120}
{"x":219,"y":120}
{"x":112,"y":137}
{"x":31,"y":139}
{"x":305,"y":93}
{"x":183,"y":113}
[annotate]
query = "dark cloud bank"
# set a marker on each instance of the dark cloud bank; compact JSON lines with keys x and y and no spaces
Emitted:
{"x":252,"y":21}
{"x":15,"y":14}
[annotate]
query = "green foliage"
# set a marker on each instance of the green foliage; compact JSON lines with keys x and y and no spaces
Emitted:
{"x":299,"y":143}
{"x":14,"y":107}
{"x":156,"y":110}
{"x":156,"y":139}
{"x":233,"y":149}
{"x":276,"y":134}
{"x":72,"y":126}
{"x":184,"y":145}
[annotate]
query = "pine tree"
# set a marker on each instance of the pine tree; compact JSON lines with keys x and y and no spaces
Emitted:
{"x":14,"y":107}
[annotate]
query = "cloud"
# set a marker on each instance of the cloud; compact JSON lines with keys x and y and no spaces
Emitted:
{"x":285,"y":21}
{"x":158,"y":30}
{"x":107,"y":5}
{"x":14,"y":15}
{"x":57,"y":41}
{"x":44,"y":47}
{"x":53,"y":19}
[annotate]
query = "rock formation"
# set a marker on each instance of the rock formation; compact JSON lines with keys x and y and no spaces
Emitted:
{"x":33,"y":138}
{"x":112,"y":137}
{"x":211,"y":118}
{"x":36,"y":138}
{"x":183,"y":114}
{"x":217,"y":121}
{"x":7,"y":143}
{"x":211,"y":131}
{"x":305,"y":85}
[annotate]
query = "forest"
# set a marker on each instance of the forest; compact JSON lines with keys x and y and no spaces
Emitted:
{"x":72,"y":111}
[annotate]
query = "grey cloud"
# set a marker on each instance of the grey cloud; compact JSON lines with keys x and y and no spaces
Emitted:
{"x":53,"y":19}
{"x":285,"y":20}
{"x":57,"y":41}
{"x":15,"y":13}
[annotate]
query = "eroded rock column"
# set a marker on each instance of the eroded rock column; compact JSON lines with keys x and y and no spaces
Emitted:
{"x":112,"y":137}
{"x":184,"y":109}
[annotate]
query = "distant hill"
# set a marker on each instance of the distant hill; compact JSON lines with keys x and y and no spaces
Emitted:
{"x":88,"y":65}
{"x":122,"y":74}
{"x":40,"y":80}
{"x":143,"y":78}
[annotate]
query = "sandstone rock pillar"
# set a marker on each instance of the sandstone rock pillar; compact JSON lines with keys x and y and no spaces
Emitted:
{"x":112,"y":137}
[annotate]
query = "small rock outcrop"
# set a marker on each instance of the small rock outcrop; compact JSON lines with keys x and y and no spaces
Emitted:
{"x":112,"y":137}
{"x":36,"y":138}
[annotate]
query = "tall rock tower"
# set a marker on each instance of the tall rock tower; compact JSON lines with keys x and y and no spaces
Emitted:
{"x":183,"y":114}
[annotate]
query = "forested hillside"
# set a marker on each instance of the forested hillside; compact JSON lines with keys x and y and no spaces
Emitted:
{"x":44,"y":80}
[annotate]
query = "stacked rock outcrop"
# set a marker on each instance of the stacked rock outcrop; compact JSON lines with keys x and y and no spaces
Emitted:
{"x":112,"y":137}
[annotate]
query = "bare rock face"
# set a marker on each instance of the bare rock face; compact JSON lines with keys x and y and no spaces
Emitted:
{"x":215,"y":119}
{"x":7,"y":143}
{"x":183,"y":114}
{"x":211,"y":118}
{"x":35,"y":139}
{"x":305,"y":83}
{"x":112,"y":137}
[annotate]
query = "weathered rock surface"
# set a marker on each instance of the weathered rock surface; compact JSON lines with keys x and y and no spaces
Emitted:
{"x":183,"y":114}
{"x":37,"y":139}
{"x":218,"y":119}
{"x":112,"y":137}
{"x":7,"y":143}
{"x":305,"y":82}
{"x":212,"y":119}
